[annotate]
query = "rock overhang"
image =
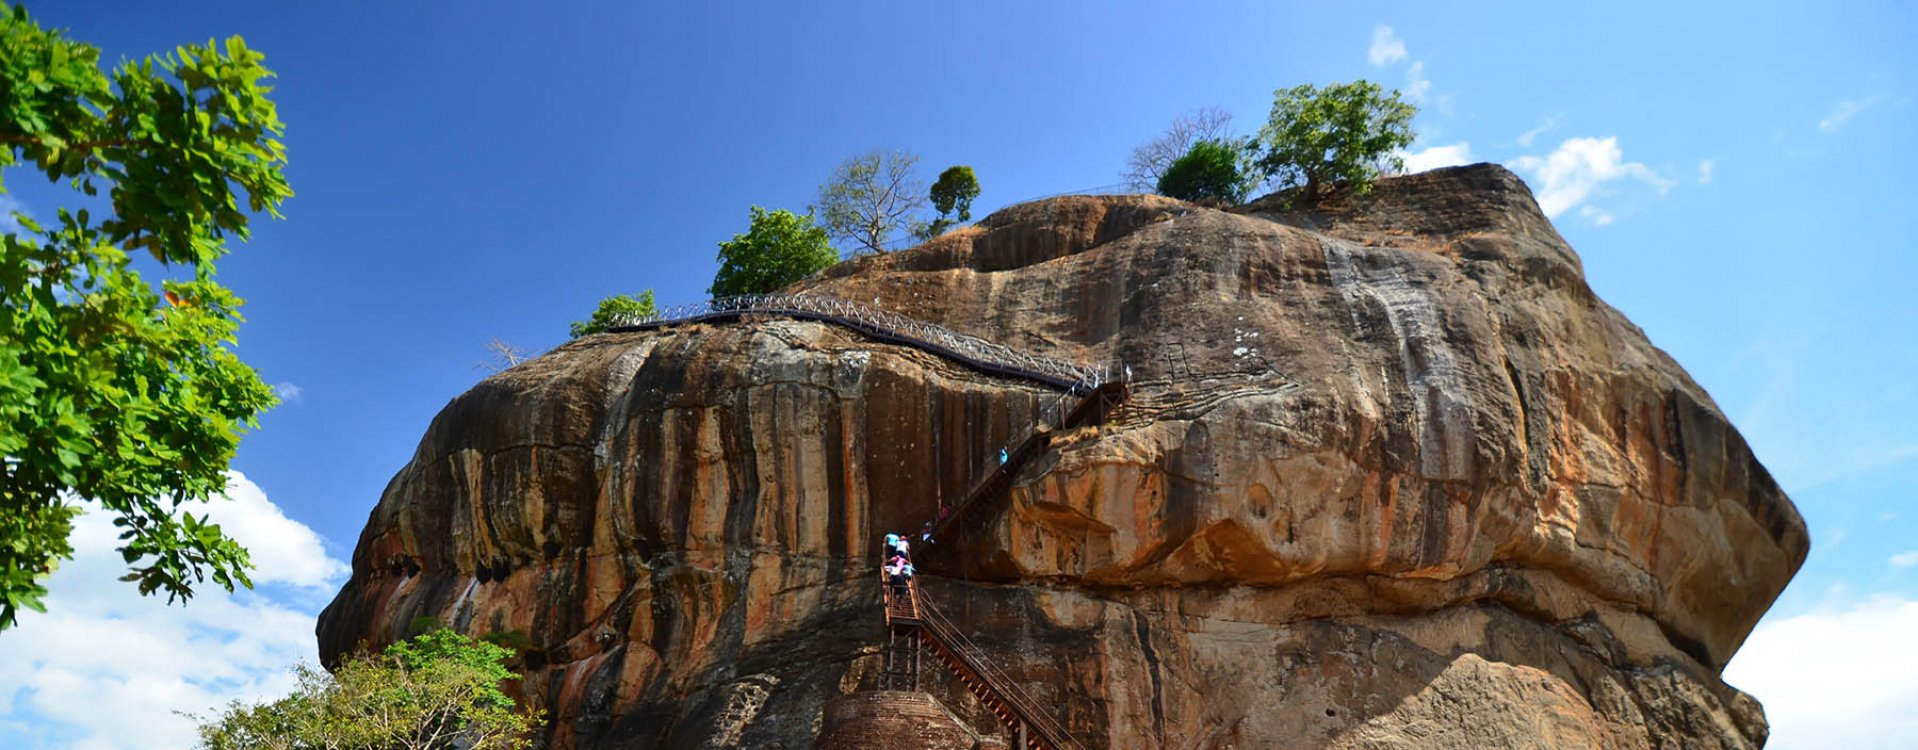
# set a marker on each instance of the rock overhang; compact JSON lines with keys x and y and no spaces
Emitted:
{"x":1391,"y":406}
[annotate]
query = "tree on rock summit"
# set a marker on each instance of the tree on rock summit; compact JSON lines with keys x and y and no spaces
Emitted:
{"x":1335,"y":137}
{"x":780,"y":247}
{"x":1209,"y":173}
{"x":952,"y":197}
{"x":872,"y":197}
{"x":116,"y":396}
{"x":1151,"y":159}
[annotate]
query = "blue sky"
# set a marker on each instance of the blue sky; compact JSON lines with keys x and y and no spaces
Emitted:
{"x":1733,"y":177}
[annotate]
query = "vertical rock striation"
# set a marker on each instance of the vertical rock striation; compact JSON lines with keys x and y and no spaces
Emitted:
{"x":1394,"y":477}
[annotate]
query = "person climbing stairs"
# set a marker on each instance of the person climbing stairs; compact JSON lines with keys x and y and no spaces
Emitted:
{"x":914,"y":626}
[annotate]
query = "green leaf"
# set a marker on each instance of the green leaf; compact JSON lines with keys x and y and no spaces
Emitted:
{"x":109,"y":396}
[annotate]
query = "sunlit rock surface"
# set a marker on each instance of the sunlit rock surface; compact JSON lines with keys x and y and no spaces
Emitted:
{"x":1393,"y":477}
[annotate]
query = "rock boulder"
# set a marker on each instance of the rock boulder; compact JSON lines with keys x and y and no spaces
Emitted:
{"x":1392,"y":476}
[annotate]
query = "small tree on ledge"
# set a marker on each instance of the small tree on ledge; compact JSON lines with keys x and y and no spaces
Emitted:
{"x":1336,"y":137}
{"x":614,"y":310}
{"x":780,"y":247}
{"x":1209,"y":174}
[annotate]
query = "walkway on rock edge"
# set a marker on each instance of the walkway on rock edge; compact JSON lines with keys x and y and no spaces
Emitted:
{"x":883,"y":326}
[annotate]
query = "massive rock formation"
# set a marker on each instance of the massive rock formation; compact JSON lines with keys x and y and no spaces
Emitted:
{"x":1393,"y":477}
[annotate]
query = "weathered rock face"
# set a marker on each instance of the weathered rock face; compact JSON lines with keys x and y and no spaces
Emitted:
{"x":892,"y":720}
{"x":1393,"y":477}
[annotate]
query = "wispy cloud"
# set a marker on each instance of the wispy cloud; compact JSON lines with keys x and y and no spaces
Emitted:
{"x":1581,"y":168}
{"x":1705,"y":168}
{"x":8,"y":205}
{"x":1417,"y":86}
{"x":1839,"y":678}
{"x":1450,"y":155}
{"x":288,"y":392}
{"x":1597,"y":216}
{"x":1843,"y":112}
{"x":1905,"y":560}
{"x":1525,"y":139}
{"x":1387,"y":47}
{"x":106,"y":667}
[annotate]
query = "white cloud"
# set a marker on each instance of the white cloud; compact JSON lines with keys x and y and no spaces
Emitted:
{"x":1417,"y":86}
{"x":1843,"y":113}
{"x":106,"y":668}
{"x":1905,"y":560}
{"x":1705,"y":168}
{"x":1451,"y":155}
{"x":1595,"y":215}
{"x":1525,"y":139}
{"x":9,"y":224}
{"x":288,"y":391}
{"x":1581,"y":168}
{"x":1387,"y":47}
{"x":1835,"y":678}
{"x":284,"y":550}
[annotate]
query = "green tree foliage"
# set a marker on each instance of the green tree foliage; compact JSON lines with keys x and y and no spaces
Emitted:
{"x":617,"y":310}
{"x":871,"y":197}
{"x":952,"y":197}
{"x":780,"y":247}
{"x":1335,"y":137}
{"x":438,"y":691}
{"x":114,"y":393}
{"x":1150,"y":160}
{"x":1208,"y":173}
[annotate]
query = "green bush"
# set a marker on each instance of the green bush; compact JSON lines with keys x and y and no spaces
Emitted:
{"x":1336,"y":137}
{"x":781,"y":247}
{"x":1209,"y":173}
{"x":437,"y":691}
{"x":616,"y":310}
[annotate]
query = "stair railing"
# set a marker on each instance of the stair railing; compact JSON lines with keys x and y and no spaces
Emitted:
{"x":962,"y":653}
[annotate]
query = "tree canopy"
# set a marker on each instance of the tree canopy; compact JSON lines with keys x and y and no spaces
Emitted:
{"x":1335,"y":137}
{"x":779,"y":248}
{"x":616,"y":310}
{"x":1151,"y":159}
{"x":952,"y":195}
{"x":437,"y":691}
{"x":115,"y":394}
{"x":871,"y":197}
{"x":1209,"y":173}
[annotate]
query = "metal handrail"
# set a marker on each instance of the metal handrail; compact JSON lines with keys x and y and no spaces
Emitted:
{"x":1002,"y":685}
{"x":1091,"y":406}
{"x":874,"y":320}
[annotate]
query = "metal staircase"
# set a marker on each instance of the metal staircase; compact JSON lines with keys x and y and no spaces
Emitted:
{"x":914,"y":626}
{"x":976,"y":506}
